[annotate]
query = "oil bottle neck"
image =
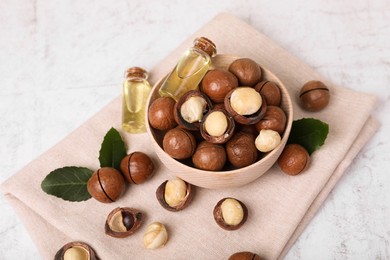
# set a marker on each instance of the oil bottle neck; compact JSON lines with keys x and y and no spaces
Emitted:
{"x":205,"y":45}
{"x":136,"y":73}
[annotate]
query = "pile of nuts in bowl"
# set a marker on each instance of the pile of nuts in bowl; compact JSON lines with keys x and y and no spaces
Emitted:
{"x":229,"y":123}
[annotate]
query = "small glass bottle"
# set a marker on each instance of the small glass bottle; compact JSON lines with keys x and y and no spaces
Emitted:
{"x":190,"y":69}
{"x":136,"y":90}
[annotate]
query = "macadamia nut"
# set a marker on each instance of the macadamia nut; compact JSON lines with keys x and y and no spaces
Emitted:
{"x":216,"y":123}
{"x":155,"y":236}
{"x":267,"y":140}
{"x":175,"y":192}
{"x":193,"y":108}
{"x":232,"y":212}
{"x":245,"y":101}
{"x":76,"y":252}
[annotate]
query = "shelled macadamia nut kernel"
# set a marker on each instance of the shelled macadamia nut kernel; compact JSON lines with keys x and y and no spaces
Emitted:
{"x":267,"y":140}
{"x":155,"y":236}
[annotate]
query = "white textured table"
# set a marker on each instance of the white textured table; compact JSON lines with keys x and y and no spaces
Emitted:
{"x":62,"y":61}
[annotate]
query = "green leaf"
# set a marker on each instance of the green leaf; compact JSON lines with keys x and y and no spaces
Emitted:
{"x":113,"y":150}
{"x":309,"y":132}
{"x":68,"y":183}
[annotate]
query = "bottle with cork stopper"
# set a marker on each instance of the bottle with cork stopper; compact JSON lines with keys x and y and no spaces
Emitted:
{"x":190,"y":69}
{"x":136,"y":90}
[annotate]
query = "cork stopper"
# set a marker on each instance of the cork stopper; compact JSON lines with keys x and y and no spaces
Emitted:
{"x":205,"y":45}
{"x":136,"y":72}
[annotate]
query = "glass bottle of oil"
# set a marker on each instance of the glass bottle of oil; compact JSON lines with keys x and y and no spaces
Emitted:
{"x":190,"y":69}
{"x":136,"y":90}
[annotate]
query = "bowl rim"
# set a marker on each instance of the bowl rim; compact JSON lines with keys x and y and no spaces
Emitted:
{"x":216,"y":59}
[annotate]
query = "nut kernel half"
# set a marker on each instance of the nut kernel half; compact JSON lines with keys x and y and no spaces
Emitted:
{"x":267,"y":140}
{"x":232,"y":212}
{"x":116,"y":222}
{"x":216,"y":123}
{"x":155,"y":236}
{"x":245,"y":101}
{"x":175,"y":192}
{"x":123,"y":222}
{"x":193,"y":108}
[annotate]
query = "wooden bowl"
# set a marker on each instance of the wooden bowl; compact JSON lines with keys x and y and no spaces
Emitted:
{"x":226,"y":178}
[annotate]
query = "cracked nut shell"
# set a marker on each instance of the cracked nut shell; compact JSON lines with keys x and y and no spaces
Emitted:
{"x":160,"y":113}
{"x":76,"y":250}
{"x":123,"y":222}
{"x":179,"y":143}
{"x":137,"y":167}
{"x":232,"y":210}
{"x":294,"y":159}
{"x":106,"y":185}
{"x":246,"y":70}
{"x":185,"y":199}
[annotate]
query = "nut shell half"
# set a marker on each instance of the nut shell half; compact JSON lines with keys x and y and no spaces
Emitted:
{"x":160,"y":195}
{"x":86,"y":250}
{"x":219,"y":218}
{"x":123,"y":222}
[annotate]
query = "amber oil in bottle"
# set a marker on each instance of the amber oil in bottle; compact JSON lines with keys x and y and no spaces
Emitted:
{"x":135,"y":93}
{"x":190,"y":69}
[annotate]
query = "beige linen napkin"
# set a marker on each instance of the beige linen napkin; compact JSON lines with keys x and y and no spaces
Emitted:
{"x":280,"y":206}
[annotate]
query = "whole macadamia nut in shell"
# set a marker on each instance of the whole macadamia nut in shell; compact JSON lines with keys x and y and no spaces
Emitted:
{"x":271,"y":92}
{"x":160,"y":113}
{"x":106,"y":185}
{"x":294,"y":159}
{"x":137,"y":167}
{"x":179,"y":143}
{"x":217,"y":83}
{"x":209,"y":157}
{"x":314,"y":96}
{"x":241,"y":150}
{"x":246,"y":70}
{"x":274,"y":119}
